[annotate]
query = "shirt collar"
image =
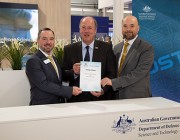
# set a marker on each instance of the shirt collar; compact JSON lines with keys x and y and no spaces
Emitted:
{"x":131,"y":41}
{"x":90,"y":45}
{"x":45,"y":53}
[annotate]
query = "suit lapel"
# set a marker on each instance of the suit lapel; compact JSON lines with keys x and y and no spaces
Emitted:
{"x":79,"y":52}
{"x":44,"y":58}
{"x":118,"y":53}
{"x":52,"y":68}
{"x":96,"y":50}
{"x":58,"y":67}
{"x":41,"y":56}
{"x":131,"y":52}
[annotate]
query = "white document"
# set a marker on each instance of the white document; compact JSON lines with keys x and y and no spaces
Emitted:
{"x":90,"y":76}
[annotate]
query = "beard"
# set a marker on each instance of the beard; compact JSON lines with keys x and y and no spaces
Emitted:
{"x":129,"y":35}
{"x":47,"y":48}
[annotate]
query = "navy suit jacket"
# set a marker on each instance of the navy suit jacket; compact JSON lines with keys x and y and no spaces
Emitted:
{"x":102,"y":53}
{"x":46,"y":87}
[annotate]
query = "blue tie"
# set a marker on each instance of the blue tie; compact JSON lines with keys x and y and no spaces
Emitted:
{"x":87,"y":56}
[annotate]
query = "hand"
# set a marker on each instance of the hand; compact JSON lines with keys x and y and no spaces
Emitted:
{"x":97,"y":94}
{"x":106,"y":81}
{"x":76,"y":91}
{"x":76,"y":68}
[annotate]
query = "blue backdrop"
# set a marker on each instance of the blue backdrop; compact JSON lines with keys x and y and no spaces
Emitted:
{"x":160,"y":25}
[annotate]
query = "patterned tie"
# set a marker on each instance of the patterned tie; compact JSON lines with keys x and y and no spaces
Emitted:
{"x":53,"y":63}
{"x":87,"y":56}
{"x":123,"y":57}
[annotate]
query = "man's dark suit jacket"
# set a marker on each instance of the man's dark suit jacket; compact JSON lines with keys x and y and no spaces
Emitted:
{"x":46,"y":87}
{"x":102,"y":53}
{"x":134,"y":79}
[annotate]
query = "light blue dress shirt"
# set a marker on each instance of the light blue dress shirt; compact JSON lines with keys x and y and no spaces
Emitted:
{"x":91,"y":47}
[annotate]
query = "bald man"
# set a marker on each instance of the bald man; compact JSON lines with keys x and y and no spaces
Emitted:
{"x":136,"y":59}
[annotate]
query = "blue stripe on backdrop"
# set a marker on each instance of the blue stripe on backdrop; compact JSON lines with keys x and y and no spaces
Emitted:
{"x":160,"y":25}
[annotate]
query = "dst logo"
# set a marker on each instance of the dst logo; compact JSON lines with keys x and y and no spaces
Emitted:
{"x":165,"y":62}
{"x":123,"y":125}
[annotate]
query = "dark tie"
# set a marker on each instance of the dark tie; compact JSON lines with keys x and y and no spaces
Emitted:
{"x":123,"y":56}
{"x":87,"y":56}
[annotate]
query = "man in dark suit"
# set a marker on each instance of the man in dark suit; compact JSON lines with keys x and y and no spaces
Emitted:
{"x":99,"y":51}
{"x":45,"y":75}
{"x":133,"y":79}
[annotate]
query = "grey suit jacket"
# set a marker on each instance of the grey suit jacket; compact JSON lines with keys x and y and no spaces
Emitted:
{"x":46,"y":87}
{"x":134,"y":80}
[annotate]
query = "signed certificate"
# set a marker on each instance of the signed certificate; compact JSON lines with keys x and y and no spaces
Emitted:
{"x":90,"y":76}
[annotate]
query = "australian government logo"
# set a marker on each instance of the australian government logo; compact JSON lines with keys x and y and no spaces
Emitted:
{"x":147,"y":13}
{"x":123,"y":124}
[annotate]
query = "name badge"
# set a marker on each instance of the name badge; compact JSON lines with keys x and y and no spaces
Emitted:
{"x":47,"y":61}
